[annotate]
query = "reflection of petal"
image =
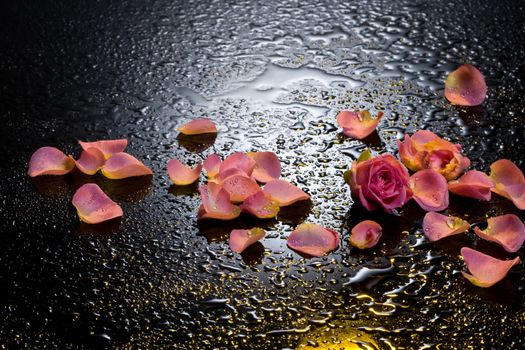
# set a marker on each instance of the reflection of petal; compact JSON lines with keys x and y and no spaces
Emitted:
{"x":506,"y":230}
{"x":51,"y":186}
{"x":437,"y":226}
{"x":485,"y":271}
{"x":186,"y":190}
{"x":196,"y":143}
{"x":313,"y":240}
{"x":103,"y":229}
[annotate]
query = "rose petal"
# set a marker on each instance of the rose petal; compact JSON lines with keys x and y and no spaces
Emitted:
{"x":49,"y":161}
{"x":260,"y":205}
{"x":242,"y":239}
{"x":122,"y":165}
{"x":485,"y":270}
{"x":181,"y":174}
{"x":366,"y":234}
{"x":212,"y":164}
{"x":198,"y":126}
{"x":506,"y":230}
{"x":509,"y":181}
{"x":437,"y":226}
{"x":240,"y":187}
{"x":474,"y":184}
{"x":94,"y":206}
{"x":107,"y":147}
{"x":358,"y":124}
{"x":267,"y":166}
{"x":284,"y":192}
{"x":313,"y":240}
{"x":466,"y":86}
{"x":430,"y":190}
{"x":216,"y":203}
{"x":90,"y":161}
{"x":238,"y":160}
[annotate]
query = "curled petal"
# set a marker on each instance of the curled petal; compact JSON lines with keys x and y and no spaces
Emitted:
{"x":49,"y":161}
{"x":90,"y":161}
{"x":485,"y":270}
{"x":198,"y":126}
{"x":429,"y":189}
{"x":107,"y":147}
{"x":313,"y":240}
{"x":122,"y":165}
{"x":509,"y":181}
{"x":212,"y":164}
{"x":94,"y":206}
{"x":240,"y":187}
{"x":181,"y":174}
{"x":437,"y":226}
{"x":242,"y":239}
{"x":260,"y":205}
{"x":366,"y":234}
{"x":238,"y":160}
{"x":506,"y":230}
{"x":358,"y":124}
{"x":466,"y":86}
{"x":284,"y":192}
{"x":474,"y":184}
{"x":216,"y":203}
{"x":267,"y":166}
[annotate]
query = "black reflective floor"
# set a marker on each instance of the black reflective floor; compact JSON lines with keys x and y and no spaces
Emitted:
{"x":273,"y":75}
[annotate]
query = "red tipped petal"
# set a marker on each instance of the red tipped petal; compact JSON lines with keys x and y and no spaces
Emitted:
{"x":240,"y":187}
{"x":473,"y":184}
{"x":212,"y":164}
{"x":198,"y":126}
{"x":366,"y":234}
{"x":216,"y":203}
{"x":260,"y":205}
{"x":49,"y":161}
{"x":506,"y":230}
{"x":238,"y":160}
{"x":466,"y":86}
{"x":358,"y":124}
{"x":181,"y":174}
{"x":94,"y":206}
{"x":284,"y":192}
{"x":90,"y":161}
{"x":242,"y":239}
{"x":267,"y":166}
{"x":437,"y":226}
{"x":430,"y":190}
{"x":485,"y":270}
{"x":313,"y":240}
{"x":122,"y":165}
{"x":107,"y":147}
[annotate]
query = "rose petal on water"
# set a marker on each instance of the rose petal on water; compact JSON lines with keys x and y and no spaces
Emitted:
{"x":473,"y":184}
{"x":260,"y":205}
{"x":198,"y":126}
{"x":94,"y":206}
{"x":212,"y":164}
{"x":466,"y":86}
{"x":181,"y":174}
{"x":240,"y":187}
{"x":509,"y":181}
{"x":90,"y":161}
{"x":238,"y":160}
{"x":485,"y":271}
{"x":284,"y":192}
{"x":49,"y":161}
{"x":242,"y":239}
{"x":107,"y":147}
{"x":216,"y":203}
{"x":506,"y":230}
{"x":313,"y":240}
{"x":437,"y":226}
{"x":358,"y":124}
{"x":430,"y":190}
{"x":267,"y":166}
{"x":366,"y":234}
{"x":122,"y":165}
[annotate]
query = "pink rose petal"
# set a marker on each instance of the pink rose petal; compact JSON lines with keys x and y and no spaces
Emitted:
{"x":90,"y":161}
{"x":437,"y":226}
{"x":122,"y":165}
{"x":430,"y":190}
{"x":473,"y":184}
{"x":260,"y":205}
{"x":107,"y":147}
{"x":181,"y":174}
{"x":49,"y":161}
{"x":198,"y":126}
{"x":366,"y":234}
{"x":485,"y":270}
{"x":238,"y":160}
{"x":313,"y":240}
{"x":94,"y":206}
{"x":509,"y":181}
{"x":284,"y":192}
{"x":242,"y":239}
{"x":212,"y":164}
{"x":466,"y":86}
{"x":506,"y":230}
{"x":216,"y":203}
{"x":358,"y":124}
{"x":240,"y":187}
{"x":267,"y":166}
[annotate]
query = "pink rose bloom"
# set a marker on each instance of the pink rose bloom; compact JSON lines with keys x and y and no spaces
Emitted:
{"x":380,"y":182}
{"x":426,"y":150}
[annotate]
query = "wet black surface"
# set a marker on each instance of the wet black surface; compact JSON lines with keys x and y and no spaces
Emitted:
{"x":273,"y":76}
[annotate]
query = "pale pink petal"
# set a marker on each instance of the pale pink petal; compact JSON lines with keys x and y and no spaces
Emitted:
{"x":216,"y":203}
{"x":430,"y":190}
{"x":240,"y":187}
{"x":198,"y":126}
{"x":485,"y":270}
{"x":107,"y":147}
{"x":466,"y":86}
{"x":509,"y":181}
{"x":260,"y":205}
{"x":267,"y":166}
{"x":90,"y":161}
{"x":506,"y":230}
{"x":284,"y":192}
{"x":94,"y":206}
{"x":358,"y":124}
{"x":437,"y":226}
{"x":228,"y":173}
{"x":242,"y":239}
{"x":122,"y":165}
{"x":313,"y":240}
{"x":49,"y":161}
{"x":238,"y":160}
{"x":366,"y":234}
{"x":181,"y":174}
{"x":212,"y":164}
{"x":474,"y":184}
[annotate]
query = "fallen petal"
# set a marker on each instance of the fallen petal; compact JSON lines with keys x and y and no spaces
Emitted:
{"x":122,"y":165}
{"x":437,"y":226}
{"x":430,"y":190}
{"x":267,"y":166}
{"x":260,"y":205}
{"x":474,"y":184}
{"x":107,"y":147}
{"x":242,"y":239}
{"x":238,"y":160}
{"x":313,"y":240}
{"x":181,"y":174}
{"x":466,"y":86}
{"x":284,"y":192}
{"x":49,"y":161}
{"x":240,"y":187}
{"x":198,"y":126}
{"x":90,"y":161}
{"x":506,"y":230}
{"x":366,"y":234}
{"x":509,"y":181}
{"x":212,"y":164}
{"x":216,"y":203}
{"x":358,"y":124}
{"x":94,"y":206}
{"x":485,"y":270}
